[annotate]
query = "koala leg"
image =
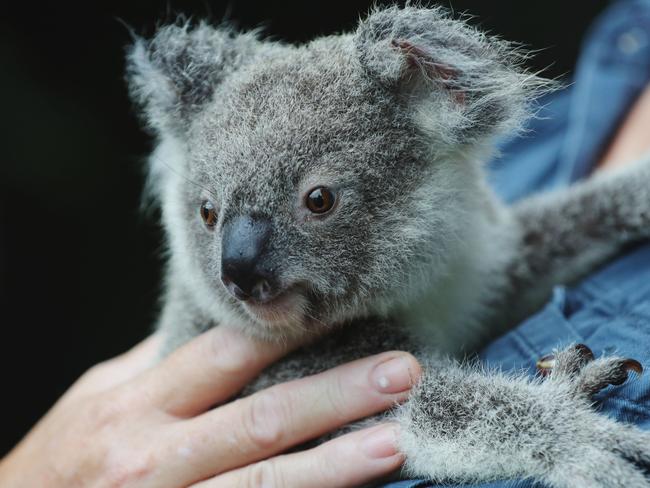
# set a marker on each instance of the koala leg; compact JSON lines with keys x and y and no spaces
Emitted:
{"x":463,"y":424}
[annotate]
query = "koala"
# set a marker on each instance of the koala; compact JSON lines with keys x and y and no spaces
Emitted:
{"x":334,"y":193}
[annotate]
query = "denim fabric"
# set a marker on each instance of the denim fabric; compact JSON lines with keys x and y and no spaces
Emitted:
{"x":610,"y":310}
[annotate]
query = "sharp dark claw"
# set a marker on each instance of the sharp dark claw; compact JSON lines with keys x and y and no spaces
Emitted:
{"x":545,"y":365}
{"x":585,"y":353}
{"x":625,"y":367}
{"x":633,"y":365}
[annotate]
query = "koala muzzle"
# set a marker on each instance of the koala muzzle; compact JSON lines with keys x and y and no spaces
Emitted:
{"x":244,"y":240}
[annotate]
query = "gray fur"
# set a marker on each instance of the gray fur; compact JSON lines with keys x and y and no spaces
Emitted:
{"x":418,"y":253}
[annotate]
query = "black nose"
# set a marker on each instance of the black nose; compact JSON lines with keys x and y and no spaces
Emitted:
{"x":244,"y":240}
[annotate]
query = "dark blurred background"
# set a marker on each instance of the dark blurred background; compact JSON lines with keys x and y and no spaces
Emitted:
{"x":79,"y":262}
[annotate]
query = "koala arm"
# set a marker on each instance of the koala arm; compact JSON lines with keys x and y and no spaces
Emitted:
{"x":465,"y":425}
{"x":563,"y":235}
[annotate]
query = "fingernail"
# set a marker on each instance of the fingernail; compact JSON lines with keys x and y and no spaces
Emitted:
{"x":380,"y":443}
{"x":393,"y":376}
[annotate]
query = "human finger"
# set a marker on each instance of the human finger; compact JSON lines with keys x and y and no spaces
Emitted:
{"x":347,"y":461}
{"x":208,"y":370}
{"x":272,"y":420}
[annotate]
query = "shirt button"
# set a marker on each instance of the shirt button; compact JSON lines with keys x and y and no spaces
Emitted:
{"x":631,"y":41}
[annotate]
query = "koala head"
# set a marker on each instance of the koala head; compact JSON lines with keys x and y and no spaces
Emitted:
{"x":310,"y":185}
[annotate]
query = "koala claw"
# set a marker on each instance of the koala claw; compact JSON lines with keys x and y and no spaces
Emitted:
{"x":545,"y":364}
{"x":634,"y":365}
{"x":578,"y":364}
{"x":577,"y":356}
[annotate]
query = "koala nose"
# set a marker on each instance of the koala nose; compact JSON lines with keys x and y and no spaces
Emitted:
{"x":244,"y":239}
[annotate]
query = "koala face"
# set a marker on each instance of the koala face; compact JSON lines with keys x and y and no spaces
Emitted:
{"x":307,"y":176}
{"x":326,"y":181}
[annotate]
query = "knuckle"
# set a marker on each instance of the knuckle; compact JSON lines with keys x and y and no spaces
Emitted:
{"x":107,"y":411}
{"x":327,"y":462}
{"x":265,"y":419}
{"x":228,"y":354}
{"x":264,"y":474}
{"x":105,"y":414}
{"x":336,"y":396}
{"x":96,"y":373}
{"x":127,"y":468}
{"x":96,"y":370}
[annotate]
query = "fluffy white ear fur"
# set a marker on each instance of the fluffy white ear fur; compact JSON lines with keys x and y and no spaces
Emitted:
{"x":172,"y":75}
{"x":448,"y":67}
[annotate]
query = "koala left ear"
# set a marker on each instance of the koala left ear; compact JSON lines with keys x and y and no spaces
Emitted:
{"x":465,"y":86}
{"x":173,"y":74}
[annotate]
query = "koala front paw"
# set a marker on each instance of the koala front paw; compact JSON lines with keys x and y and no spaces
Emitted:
{"x":598,"y":452}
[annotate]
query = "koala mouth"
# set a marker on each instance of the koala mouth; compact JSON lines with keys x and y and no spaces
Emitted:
{"x":288,"y":309}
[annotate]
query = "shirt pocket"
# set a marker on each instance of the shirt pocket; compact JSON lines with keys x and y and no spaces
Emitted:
{"x":537,"y":336}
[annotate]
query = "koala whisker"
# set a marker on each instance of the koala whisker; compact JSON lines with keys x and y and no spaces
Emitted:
{"x":186,"y":178}
{"x":312,"y":317}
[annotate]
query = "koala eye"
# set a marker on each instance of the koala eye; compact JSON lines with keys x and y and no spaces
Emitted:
{"x":319,"y":200}
{"x":208,"y":214}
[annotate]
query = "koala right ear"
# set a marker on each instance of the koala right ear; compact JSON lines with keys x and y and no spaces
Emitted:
{"x":173,"y":74}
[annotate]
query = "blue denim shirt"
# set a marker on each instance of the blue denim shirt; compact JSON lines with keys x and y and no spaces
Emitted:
{"x":610,"y":310}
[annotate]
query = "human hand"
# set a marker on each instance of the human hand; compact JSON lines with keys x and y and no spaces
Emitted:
{"x":131,"y":423}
